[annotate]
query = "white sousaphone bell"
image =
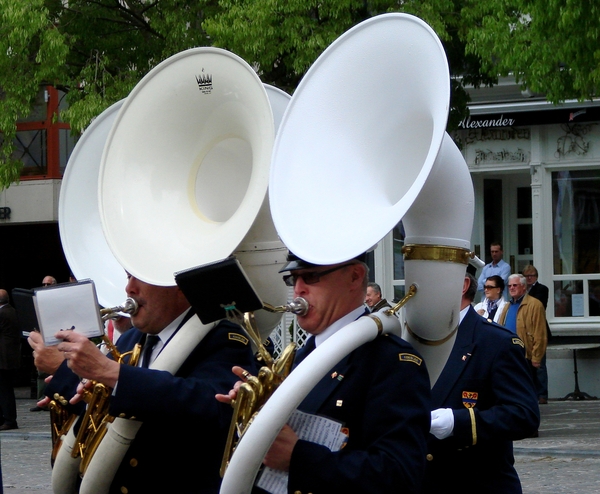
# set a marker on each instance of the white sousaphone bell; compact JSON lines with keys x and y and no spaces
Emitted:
{"x":84,"y":245}
{"x":185,"y":171}
{"x":176,"y":176}
{"x":362,"y":146}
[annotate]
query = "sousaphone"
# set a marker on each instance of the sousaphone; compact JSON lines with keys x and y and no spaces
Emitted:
{"x":362,"y":146}
{"x":182,"y":182}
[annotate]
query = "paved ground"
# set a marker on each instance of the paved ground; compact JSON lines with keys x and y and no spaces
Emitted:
{"x":564,"y":459}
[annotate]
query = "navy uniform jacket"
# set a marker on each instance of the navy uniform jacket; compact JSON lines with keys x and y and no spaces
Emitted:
{"x":182,"y":439}
{"x":486,"y":382}
{"x":381,"y":394}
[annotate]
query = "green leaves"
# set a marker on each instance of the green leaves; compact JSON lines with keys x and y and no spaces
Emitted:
{"x":97,"y":50}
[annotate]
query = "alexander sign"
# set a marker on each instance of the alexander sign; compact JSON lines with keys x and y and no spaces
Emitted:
{"x":485,"y":122}
{"x":541,"y":117}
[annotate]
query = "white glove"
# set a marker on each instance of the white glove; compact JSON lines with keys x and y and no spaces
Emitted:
{"x":442,"y":423}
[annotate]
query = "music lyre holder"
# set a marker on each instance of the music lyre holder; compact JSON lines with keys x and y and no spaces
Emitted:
{"x":216,"y":288}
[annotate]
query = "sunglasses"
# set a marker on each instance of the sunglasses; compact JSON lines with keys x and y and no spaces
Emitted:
{"x":309,"y":277}
{"x":489,"y":287}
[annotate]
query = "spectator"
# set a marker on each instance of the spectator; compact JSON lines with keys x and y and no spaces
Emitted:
{"x":526,"y":316}
{"x":373,"y":298}
{"x":10,"y":360}
{"x":537,"y":290}
{"x":491,"y":307}
{"x":498,"y":266}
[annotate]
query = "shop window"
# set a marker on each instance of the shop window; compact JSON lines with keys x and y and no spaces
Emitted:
{"x":568,"y":298}
{"x":576,"y":221}
{"x":576,"y":241}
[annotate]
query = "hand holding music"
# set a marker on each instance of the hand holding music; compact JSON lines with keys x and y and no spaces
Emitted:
{"x":280,"y":452}
{"x":86,"y":360}
{"x":45,"y":358}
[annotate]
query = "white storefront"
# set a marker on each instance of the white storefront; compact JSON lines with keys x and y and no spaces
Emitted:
{"x":536,"y":174}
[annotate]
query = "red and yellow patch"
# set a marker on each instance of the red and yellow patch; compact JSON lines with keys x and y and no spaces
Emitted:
{"x":469,"y":398}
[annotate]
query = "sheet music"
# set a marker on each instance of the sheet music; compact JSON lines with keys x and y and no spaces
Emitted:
{"x":73,"y":306}
{"x":313,"y":428}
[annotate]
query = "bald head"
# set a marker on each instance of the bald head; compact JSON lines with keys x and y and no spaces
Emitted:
{"x":3,"y":297}
{"x":49,"y":280}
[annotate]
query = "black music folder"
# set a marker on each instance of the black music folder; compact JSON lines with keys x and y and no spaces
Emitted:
{"x":212,"y":288}
{"x":23,"y":300}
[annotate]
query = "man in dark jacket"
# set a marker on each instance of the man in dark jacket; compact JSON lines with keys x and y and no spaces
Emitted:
{"x":378,"y":392}
{"x":536,"y":290}
{"x":176,"y":408}
{"x":10,"y":359}
{"x":483,"y":400}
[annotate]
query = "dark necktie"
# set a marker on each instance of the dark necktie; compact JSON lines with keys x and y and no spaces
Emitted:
{"x":151,"y":341}
{"x":304,"y":351}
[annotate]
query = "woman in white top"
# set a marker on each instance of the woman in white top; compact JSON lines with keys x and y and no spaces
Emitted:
{"x":491,"y":307}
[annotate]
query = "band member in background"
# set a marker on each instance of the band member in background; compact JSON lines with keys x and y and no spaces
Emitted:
{"x":176,"y":410}
{"x":380,"y":393}
{"x":484,"y":400}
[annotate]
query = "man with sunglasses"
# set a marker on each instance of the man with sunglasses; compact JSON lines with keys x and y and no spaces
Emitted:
{"x":526,"y":316}
{"x":380,"y":393}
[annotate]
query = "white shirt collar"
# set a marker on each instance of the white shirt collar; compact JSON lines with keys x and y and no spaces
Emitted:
{"x":339,"y":324}
{"x":165,"y":335}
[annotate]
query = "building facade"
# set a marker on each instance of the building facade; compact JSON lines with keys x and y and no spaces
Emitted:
{"x":535,"y":169}
{"x":29,"y":210}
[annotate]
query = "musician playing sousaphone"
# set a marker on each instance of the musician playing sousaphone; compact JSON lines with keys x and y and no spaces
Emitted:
{"x":178,"y":412}
{"x":379,"y":394}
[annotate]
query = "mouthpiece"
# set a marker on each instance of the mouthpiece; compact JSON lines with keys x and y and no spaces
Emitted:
{"x":130,"y":306}
{"x":298,"y":306}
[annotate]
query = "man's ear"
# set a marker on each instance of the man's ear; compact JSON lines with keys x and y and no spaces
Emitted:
{"x":359,"y":271}
{"x":466,"y":283}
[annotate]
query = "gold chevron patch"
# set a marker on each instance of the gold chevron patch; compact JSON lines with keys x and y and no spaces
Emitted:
{"x":409,"y":357}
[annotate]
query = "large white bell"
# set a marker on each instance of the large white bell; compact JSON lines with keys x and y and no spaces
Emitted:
{"x":84,"y":245}
{"x":186,"y":165}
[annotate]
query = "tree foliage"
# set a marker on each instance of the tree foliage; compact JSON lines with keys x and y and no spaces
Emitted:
{"x":550,"y":46}
{"x":97,"y":50}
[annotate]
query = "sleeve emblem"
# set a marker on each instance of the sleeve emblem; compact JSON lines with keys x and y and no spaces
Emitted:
{"x":409,"y":357}
{"x":238,"y":337}
{"x":469,"y":398}
{"x":518,"y":341}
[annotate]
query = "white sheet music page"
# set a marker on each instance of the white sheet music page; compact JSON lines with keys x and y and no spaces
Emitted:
{"x":70,"y":306}
{"x":311,"y":428}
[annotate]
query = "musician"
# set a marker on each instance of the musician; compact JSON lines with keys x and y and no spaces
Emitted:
{"x":484,"y":399}
{"x":379,"y":392}
{"x":176,"y":410}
